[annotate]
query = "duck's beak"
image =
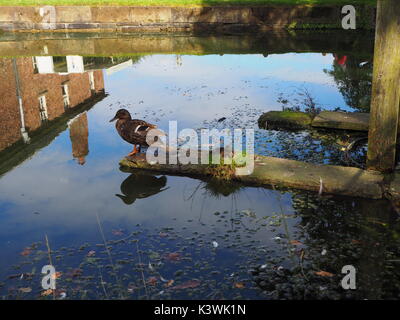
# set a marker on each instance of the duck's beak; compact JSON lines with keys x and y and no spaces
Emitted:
{"x":113,"y":119}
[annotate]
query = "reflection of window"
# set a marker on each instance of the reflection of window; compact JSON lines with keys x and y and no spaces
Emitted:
{"x":35,"y":66}
{"x":43,"y":108}
{"x":65,"y":94}
{"x":91,"y":80}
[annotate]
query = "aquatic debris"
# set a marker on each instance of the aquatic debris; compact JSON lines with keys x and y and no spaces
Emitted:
{"x":323,"y":252}
{"x":154,"y":255}
{"x":56,"y":275}
{"x":174,"y":256}
{"x":215,"y":244}
{"x":27,"y":251}
{"x":295,"y":242}
{"x":91,"y":253}
{"x":46,"y":292}
{"x":324,"y":273}
{"x":169,"y":283}
{"x":152,"y":281}
{"x":249,"y":213}
{"x":25,"y":290}
{"x":74,"y":273}
{"x":221,"y":119}
{"x":187,"y":285}
{"x":132,"y":287}
{"x":118,"y":232}
{"x":239,"y":285}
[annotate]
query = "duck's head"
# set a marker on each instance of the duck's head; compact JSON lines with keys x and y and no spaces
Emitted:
{"x":121,"y":114}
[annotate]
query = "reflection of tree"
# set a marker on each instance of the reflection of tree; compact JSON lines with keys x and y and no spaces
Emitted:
{"x":217,"y":187}
{"x":140,"y":185}
{"x":353,"y":76}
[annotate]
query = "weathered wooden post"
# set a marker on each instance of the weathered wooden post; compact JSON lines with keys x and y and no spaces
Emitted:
{"x":385,"y":88}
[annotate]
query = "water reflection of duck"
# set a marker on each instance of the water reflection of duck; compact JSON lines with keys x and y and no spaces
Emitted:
{"x":131,"y":130}
{"x":141,"y":185}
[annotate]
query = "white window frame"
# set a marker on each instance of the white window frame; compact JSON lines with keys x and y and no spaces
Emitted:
{"x":64,"y":88}
{"x":91,"y":80}
{"x":35,"y":65}
{"x":43,"y":108}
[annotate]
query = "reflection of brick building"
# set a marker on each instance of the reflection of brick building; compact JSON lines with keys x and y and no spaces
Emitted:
{"x":45,"y":95}
{"x":79,"y":134}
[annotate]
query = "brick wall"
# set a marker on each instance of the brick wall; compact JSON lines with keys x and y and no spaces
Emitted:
{"x":33,"y":85}
{"x":10,"y":122}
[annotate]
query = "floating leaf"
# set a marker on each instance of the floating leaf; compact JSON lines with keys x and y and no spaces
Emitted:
{"x":74,"y":273}
{"x":188,"y":284}
{"x":249,"y":213}
{"x":47,"y":292}
{"x":215,"y":244}
{"x":152,"y":281}
{"x":154,"y":255}
{"x":25,"y":290}
{"x":295,"y":242}
{"x":169,"y":283}
{"x":173,"y":256}
{"x":26,"y":251}
{"x":239,"y":285}
{"x":118,"y":232}
{"x":151,"y":267}
{"x":56,"y":275}
{"x":324,"y":273}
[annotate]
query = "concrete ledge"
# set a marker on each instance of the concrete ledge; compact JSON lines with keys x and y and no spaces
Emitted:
{"x":195,"y":19}
{"x":286,"y":173}
{"x":342,"y":120}
{"x":106,"y":44}
{"x":276,"y":120}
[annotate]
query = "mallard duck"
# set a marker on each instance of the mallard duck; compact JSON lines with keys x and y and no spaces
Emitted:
{"x":131,"y":130}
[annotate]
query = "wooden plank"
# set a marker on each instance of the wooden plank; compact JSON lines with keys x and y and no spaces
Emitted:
{"x":342,"y":120}
{"x":385,"y":88}
{"x":284,"y":173}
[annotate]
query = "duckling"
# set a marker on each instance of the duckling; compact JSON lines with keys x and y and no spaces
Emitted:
{"x":131,"y":130}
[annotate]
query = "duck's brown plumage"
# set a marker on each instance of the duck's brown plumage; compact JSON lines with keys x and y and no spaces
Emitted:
{"x":131,"y":130}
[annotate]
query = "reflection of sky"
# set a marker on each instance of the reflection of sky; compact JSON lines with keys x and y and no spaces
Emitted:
{"x":68,"y":196}
{"x":193,"y":91}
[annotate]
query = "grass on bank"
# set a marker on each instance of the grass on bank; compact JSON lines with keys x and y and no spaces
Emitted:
{"x":182,"y":2}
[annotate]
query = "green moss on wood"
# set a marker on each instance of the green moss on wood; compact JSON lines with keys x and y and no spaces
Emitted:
{"x":285,"y":120}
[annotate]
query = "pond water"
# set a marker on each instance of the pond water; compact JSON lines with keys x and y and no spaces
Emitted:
{"x":137,"y":235}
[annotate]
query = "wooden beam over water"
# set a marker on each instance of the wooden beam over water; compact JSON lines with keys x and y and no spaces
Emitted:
{"x":385,"y":89}
{"x":270,"y":171}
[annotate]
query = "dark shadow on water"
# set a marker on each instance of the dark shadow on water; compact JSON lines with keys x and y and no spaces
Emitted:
{"x":140,"y":185}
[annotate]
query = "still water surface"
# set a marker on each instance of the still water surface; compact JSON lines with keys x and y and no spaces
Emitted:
{"x":170,"y":237}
